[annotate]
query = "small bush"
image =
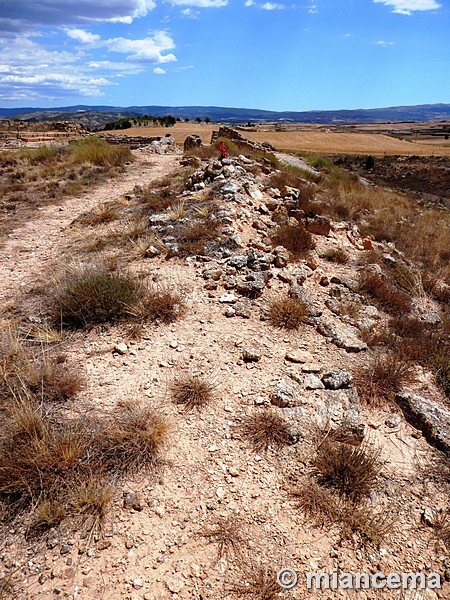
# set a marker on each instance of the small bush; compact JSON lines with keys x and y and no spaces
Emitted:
{"x":392,"y":299}
{"x":258,"y":581}
{"x":92,"y":295}
{"x":352,"y":471}
{"x":337,"y":255}
{"x":227,"y":533}
{"x":370,"y":527}
{"x":378,"y":383}
{"x":91,"y":499}
{"x":105,"y":213}
{"x":48,"y":513}
{"x":266,"y":428}
{"x":194,"y":239}
{"x":192,"y":391}
{"x":287,"y":313}
{"x":442,"y":527}
{"x":162,"y":305}
{"x":294,"y":238}
{"x":134,"y":438}
{"x":98,"y":152}
{"x":317,"y":503}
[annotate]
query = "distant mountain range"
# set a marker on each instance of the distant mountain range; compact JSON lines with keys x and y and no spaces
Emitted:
{"x":97,"y":116}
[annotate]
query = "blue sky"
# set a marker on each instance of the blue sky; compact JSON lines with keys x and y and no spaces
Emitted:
{"x":267,"y":54}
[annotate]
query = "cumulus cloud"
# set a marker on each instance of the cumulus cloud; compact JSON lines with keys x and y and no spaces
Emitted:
{"x":159,"y":71}
{"x":19,"y":15}
{"x":384,"y":43}
{"x":272,"y":6}
{"x":28,"y":70}
{"x":407,"y":7}
{"x":31,"y":68}
{"x":200,"y":3}
{"x":83,"y":36}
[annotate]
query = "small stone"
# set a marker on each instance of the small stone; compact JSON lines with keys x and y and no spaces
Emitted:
{"x":65,"y":549}
{"x":336,"y":380}
{"x":228,"y":299}
{"x":129,"y":543}
{"x":160,"y":511}
{"x":251,"y":354}
{"x":220,"y":492}
{"x":173,"y":344}
{"x":427,"y":517}
{"x":138,"y":583}
{"x":311,"y":368}
{"x":121,"y":348}
{"x":312,"y":382}
{"x":131,"y":501}
{"x":233,"y":471}
{"x":230,"y":312}
{"x":299,"y":357}
{"x":57,"y":589}
{"x":42,"y":578}
{"x":174,"y":585}
{"x":260,"y":400}
{"x":393,"y":421}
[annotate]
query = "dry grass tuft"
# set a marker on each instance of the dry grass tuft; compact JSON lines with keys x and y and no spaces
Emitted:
{"x":192,"y":391}
{"x":337,"y":255}
{"x":287,"y":313}
{"x":393,"y":300}
{"x":134,"y":438}
{"x":162,"y":305}
{"x":295,"y":239}
{"x":266,"y":428}
{"x":91,"y":499}
{"x":195,"y":237}
{"x":227,"y":533}
{"x":317,"y":503}
{"x":258,"y":581}
{"x":48,"y":513}
{"x":352,"y":471}
{"x":105,"y":213}
{"x":442,"y":527}
{"x":378,"y":383}
{"x":91,"y":294}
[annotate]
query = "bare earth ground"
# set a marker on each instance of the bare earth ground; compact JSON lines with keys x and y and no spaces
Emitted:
{"x":156,"y":553}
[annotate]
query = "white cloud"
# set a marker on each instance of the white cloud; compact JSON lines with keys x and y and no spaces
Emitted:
{"x":249,"y":3}
{"x":190,"y":14}
{"x":200,"y":3}
{"x":18,"y":15}
{"x":159,"y":71}
{"x":30,"y":70}
{"x":407,"y":7}
{"x":145,"y":50}
{"x":272,"y":6}
{"x":384,"y":44}
{"x":313,"y":8}
{"x":83,"y":36}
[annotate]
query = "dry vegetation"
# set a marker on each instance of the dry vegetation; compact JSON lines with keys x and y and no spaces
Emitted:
{"x":62,"y":463}
{"x":31,"y":178}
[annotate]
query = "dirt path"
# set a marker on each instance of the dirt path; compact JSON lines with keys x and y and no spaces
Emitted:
{"x":36,"y":243}
{"x":288,"y":159}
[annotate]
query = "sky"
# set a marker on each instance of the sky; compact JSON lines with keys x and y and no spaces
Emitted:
{"x":266,"y":54}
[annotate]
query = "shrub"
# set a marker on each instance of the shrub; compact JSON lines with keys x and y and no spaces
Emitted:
{"x":442,"y":527}
{"x":317,"y":503}
{"x":379,"y":382}
{"x":90,"y":500}
{"x":392,"y":299}
{"x":258,"y":581}
{"x":337,"y":255}
{"x":352,"y":471}
{"x":105,"y":213}
{"x":98,"y":152}
{"x":92,"y":295}
{"x":294,"y":238}
{"x":192,"y":391}
{"x":266,"y":428}
{"x":287,"y":313}
{"x":227,"y":533}
{"x":133,"y":439}
{"x":162,"y":305}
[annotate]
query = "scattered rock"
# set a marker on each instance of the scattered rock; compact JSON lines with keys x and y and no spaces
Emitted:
{"x":192,"y":141}
{"x":251,"y":354}
{"x":341,"y":410}
{"x":312,"y":382}
{"x":343,"y":337}
{"x":175,"y":585}
{"x":393,"y":421}
{"x":286,"y":393}
{"x":431,"y":419}
{"x":302,"y":356}
{"x":318,"y":225}
{"x":121,"y":348}
{"x":131,"y":501}
{"x":335,"y":380}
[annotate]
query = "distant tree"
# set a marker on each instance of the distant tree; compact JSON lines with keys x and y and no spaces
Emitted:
{"x":370,"y":163}
{"x":207,"y":120}
{"x":186,"y":120}
{"x":198,"y":120}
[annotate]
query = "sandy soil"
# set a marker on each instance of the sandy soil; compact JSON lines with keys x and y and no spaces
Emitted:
{"x":157,"y":553}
